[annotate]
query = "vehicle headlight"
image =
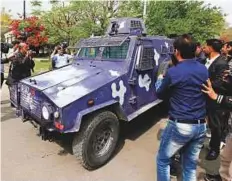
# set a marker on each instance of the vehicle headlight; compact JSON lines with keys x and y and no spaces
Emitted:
{"x":56,"y":115}
{"x":45,"y":113}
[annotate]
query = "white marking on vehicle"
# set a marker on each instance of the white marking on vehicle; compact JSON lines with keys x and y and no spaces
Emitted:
{"x":69,"y":94}
{"x":156,"y":57}
{"x":166,"y":44}
{"x":114,"y":73}
{"x":122,"y":25}
{"x":144,"y":82}
{"x":119,"y":93}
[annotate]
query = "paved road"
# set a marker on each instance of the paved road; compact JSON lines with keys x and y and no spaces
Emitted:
{"x":25,"y":157}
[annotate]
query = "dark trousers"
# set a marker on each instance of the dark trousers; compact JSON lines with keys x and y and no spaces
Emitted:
{"x":2,"y":78}
{"x":217,"y":122}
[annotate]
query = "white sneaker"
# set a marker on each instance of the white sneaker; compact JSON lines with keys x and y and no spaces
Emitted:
{"x":222,"y":145}
{"x":208,"y":134}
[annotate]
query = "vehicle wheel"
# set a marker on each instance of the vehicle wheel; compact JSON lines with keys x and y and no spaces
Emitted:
{"x":95,"y":143}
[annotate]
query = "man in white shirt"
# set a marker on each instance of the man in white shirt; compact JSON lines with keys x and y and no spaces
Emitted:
{"x":216,"y":65}
{"x":60,"y":59}
{"x":210,"y":61}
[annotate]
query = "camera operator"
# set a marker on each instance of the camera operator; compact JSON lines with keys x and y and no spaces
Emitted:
{"x":59,"y":57}
{"x":21,"y":65}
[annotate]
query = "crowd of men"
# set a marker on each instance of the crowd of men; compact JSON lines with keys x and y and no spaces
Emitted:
{"x":22,"y":63}
{"x":191,"y":113}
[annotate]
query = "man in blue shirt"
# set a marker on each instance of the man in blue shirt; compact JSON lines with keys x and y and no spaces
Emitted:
{"x":61,"y":58}
{"x":186,"y":128}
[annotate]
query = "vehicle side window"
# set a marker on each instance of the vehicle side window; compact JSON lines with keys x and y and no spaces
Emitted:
{"x":164,"y":49}
{"x":147,"y":59}
{"x":116,"y":52}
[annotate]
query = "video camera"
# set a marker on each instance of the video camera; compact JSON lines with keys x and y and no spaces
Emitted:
{"x":64,"y":45}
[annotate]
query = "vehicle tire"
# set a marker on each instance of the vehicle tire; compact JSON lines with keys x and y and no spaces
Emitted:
{"x":96,"y":141}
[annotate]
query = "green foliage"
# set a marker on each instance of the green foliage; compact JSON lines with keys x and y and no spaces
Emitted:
{"x":178,"y":17}
{"x":79,"y":19}
{"x":130,"y":9}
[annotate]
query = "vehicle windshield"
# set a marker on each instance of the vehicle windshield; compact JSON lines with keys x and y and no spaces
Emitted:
{"x":106,"y":53}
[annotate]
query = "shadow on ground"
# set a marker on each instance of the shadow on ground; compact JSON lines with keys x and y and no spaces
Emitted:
{"x":140,"y":125}
{"x":7,"y":112}
{"x":132,"y":130}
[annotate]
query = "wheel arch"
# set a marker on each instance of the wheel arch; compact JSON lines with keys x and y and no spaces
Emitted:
{"x":112,"y":106}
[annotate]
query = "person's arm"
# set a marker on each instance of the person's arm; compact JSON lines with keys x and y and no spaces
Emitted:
{"x":30,"y":60}
{"x":54,"y":58}
{"x":54,"y":52}
{"x":218,"y":82}
{"x":162,"y":86}
{"x":225,"y":101}
{"x":69,"y":57}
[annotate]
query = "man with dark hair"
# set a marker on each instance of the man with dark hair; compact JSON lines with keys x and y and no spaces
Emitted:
{"x":200,"y":54}
{"x":229,"y":52}
{"x":226,"y":155}
{"x":224,"y":50}
{"x":216,"y":65}
{"x":186,"y":128}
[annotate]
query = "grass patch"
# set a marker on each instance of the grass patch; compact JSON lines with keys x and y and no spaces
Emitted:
{"x":41,"y":67}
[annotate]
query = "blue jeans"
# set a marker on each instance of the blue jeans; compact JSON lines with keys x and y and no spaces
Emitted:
{"x":187,"y":137}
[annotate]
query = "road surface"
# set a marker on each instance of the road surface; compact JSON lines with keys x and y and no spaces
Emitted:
{"x":25,"y":157}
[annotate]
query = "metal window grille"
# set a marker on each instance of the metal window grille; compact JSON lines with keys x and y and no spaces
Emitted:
{"x":136,"y":24}
{"x":119,"y":52}
{"x":147,"y":60}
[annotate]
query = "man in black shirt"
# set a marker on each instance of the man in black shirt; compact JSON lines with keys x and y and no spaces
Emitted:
{"x":226,"y":155}
{"x":216,"y":65}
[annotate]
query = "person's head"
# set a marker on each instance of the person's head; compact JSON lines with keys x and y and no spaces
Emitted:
{"x":185,"y":47}
{"x":224,"y":49}
{"x":198,"y":49}
{"x":229,"y":48}
{"x":15,"y":45}
{"x":60,"y":50}
{"x":213,"y":46}
{"x":23,"y":48}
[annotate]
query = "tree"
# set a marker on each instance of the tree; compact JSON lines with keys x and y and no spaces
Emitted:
{"x":5,"y":19}
{"x":36,"y":4}
{"x":130,"y":9}
{"x":32,"y":28}
{"x":226,"y":35}
{"x":80,"y":19}
{"x":178,"y":17}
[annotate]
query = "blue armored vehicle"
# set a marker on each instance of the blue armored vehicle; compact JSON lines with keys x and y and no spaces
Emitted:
{"x":110,"y":80}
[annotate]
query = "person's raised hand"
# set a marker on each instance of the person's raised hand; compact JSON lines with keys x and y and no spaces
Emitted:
{"x":208,"y":89}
